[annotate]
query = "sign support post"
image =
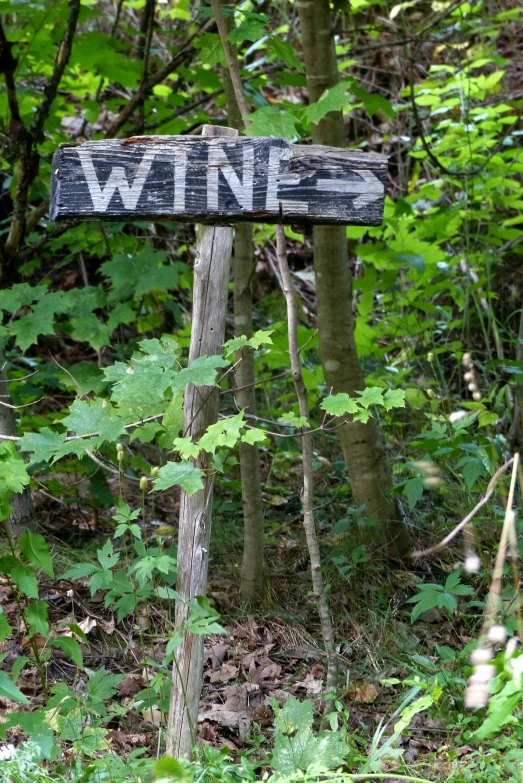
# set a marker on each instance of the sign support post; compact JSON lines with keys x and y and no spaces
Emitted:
{"x":210,"y":294}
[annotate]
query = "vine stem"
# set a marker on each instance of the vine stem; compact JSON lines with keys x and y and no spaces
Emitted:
{"x":308,"y":478}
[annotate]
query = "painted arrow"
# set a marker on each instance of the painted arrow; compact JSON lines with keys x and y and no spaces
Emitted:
{"x":370,"y":187}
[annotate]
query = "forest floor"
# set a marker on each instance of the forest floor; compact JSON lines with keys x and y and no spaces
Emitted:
{"x":266,"y":656}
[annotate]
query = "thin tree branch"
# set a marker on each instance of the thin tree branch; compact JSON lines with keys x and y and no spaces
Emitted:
{"x":308,"y":474}
{"x":232,"y":60}
{"x":62,"y":58}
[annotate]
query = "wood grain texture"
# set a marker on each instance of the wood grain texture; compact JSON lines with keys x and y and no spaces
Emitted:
{"x":200,"y":410}
{"x":217,"y":181}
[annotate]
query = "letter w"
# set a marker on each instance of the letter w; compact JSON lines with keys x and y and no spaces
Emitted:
{"x":101,"y":196}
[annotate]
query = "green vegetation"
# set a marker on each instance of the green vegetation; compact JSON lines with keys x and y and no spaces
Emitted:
{"x":401,"y":659}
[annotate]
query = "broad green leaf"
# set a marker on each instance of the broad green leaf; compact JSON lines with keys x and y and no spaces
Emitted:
{"x":102,"y":686}
{"x":340,"y":404}
{"x":96,"y":416}
{"x":167,"y":769}
{"x":294,"y":715}
{"x":211,"y":49}
{"x":186,"y":448}
{"x":202,"y":372}
{"x":413,"y":490}
{"x":36,"y":613}
{"x":9,"y":690}
{"x":271,"y":121}
{"x":24,"y":578}
{"x":259,"y":338}
{"x":394,"y":398}
{"x":20,"y":295}
{"x":285,"y":52}
{"x":247,"y":30}
{"x":292,"y":418}
{"x":36,"y":552}
{"x":254,"y":435}
{"x":373,"y":102}
{"x":372,"y":395}
{"x":333,"y":99}
{"x":13,"y":473}
{"x":44,"y":445}
{"x":80,"y":571}
{"x":107,"y":557}
{"x":70,"y":647}
{"x":5,"y":628}
{"x":225,"y":433}
{"x":182,"y":474}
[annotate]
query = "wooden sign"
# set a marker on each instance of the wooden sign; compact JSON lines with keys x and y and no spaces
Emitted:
{"x":217,"y":181}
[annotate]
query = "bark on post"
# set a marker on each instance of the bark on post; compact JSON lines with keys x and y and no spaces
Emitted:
{"x":211,"y":277}
{"x":251,"y":579}
{"x":362,"y":444}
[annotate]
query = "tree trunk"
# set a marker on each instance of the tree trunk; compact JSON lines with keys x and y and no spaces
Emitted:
{"x":211,"y":277}
{"x":22,"y":516}
{"x":362,"y":445}
{"x":251,"y":584}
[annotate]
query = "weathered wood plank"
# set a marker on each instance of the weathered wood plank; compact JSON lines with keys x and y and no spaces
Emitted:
{"x":217,"y":181}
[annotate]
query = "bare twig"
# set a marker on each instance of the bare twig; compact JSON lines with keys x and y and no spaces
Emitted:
{"x":490,"y":489}
{"x":232,"y":60}
{"x":308,"y":493}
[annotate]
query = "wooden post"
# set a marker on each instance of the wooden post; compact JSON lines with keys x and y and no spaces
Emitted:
{"x":211,"y":277}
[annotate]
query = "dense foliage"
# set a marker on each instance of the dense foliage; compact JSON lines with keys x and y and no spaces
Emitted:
{"x":94,"y":344}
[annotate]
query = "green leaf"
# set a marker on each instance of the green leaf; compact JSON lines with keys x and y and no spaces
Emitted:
{"x":248,"y":30}
{"x":292,"y":418}
{"x":102,"y":686}
{"x":94,"y":416}
{"x":394,"y":398}
{"x":224,"y":433}
{"x":9,"y":690}
{"x":373,"y":102}
{"x":339,"y":404}
{"x":168,"y":768}
{"x":270,"y":121}
{"x":501,"y":709}
{"x":70,"y":647}
{"x":80,"y":571}
{"x":35,"y":551}
{"x":472,"y":470}
{"x":186,"y":448}
{"x":294,"y":715}
{"x":261,"y":337}
{"x":183,"y":474}
{"x":36,"y":613}
{"x":13,"y":473}
{"x":107,"y":557}
{"x":173,"y":416}
{"x":372,"y":395}
{"x":202,"y":372}
{"x":24,"y":578}
{"x":285,"y":52}
{"x":413,"y":490}
{"x":254,"y":435}
{"x":333,"y":99}
{"x":211,"y":49}
{"x":44,"y":444}
{"x":5,"y":628}
{"x":20,"y":295}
